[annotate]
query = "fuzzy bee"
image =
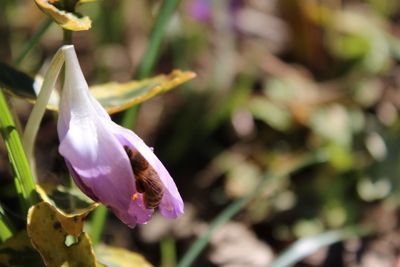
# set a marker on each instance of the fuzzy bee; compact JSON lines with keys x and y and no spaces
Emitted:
{"x":148,"y":182}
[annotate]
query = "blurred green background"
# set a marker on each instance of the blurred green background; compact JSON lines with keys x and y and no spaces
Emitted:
{"x":278,"y":82}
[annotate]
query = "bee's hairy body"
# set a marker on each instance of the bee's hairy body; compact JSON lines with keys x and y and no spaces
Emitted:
{"x":148,"y":182}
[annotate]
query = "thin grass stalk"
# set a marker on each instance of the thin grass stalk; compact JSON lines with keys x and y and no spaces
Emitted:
{"x":23,"y":178}
{"x":7,"y":229}
{"x":152,"y":52}
{"x":198,"y":246}
{"x":37,"y":36}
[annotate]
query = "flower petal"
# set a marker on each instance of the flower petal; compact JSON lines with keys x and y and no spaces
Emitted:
{"x":171,"y":204}
{"x":79,"y":182}
{"x":139,"y":211}
{"x":92,"y":145}
{"x":99,"y":163}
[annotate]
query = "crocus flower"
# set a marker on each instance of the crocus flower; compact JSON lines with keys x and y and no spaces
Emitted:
{"x":99,"y":154}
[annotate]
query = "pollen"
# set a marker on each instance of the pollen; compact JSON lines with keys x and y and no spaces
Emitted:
{"x":135,"y":196}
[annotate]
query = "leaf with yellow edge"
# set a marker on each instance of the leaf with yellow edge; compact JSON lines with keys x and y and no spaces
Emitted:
{"x":18,"y":252}
{"x":119,"y":257}
{"x":67,"y":20}
{"x":115,"y":97}
{"x":50,"y":232}
{"x":72,"y":207}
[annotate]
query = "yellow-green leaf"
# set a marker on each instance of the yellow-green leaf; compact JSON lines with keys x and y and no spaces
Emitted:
{"x":67,"y":20}
{"x":116,"y":97}
{"x":72,"y":206}
{"x":119,"y":257}
{"x":50,"y":231}
{"x":18,"y":252}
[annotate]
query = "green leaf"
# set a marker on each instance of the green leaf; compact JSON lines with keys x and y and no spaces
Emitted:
{"x":58,"y":238}
{"x":307,"y":246}
{"x":97,"y":223}
{"x":7,"y":229}
{"x":67,"y":20}
{"x":18,"y":252}
{"x":16,"y":82}
{"x":23,"y":178}
{"x":118,"y":257}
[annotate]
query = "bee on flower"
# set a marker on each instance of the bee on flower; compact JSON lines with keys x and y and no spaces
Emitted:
{"x":109,"y":163}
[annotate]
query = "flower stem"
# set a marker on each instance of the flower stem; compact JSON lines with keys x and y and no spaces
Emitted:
{"x":168,"y":252}
{"x":67,"y":37}
{"x":23,"y":178}
{"x":38,"y":110}
{"x":34,"y":40}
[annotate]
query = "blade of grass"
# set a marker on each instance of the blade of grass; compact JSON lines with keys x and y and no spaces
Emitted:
{"x":168,"y":252}
{"x":33,"y":41}
{"x":151,"y":54}
{"x":97,"y":224}
{"x":309,"y":245}
{"x":25,"y":185}
{"x":225,"y":216}
{"x":197,"y":247}
{"x":7,"y":230}
{"x":25,"y":51}
{"x":167,"y":9}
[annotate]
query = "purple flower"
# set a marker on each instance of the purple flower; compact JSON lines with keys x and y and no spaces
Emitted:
{"x":200,"y":9}
{"x":109,"y":163}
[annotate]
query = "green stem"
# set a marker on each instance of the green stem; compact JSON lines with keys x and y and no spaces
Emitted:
{"x":168,"y":252}
{"x":7,"y":230}
{"x":23,"y":178}
{"x":34,"y":40}
{"x":167,"y":9}
{"x":130,"y":117}
{"x":230,"y":211}
{"x":98,"y":221}
{"x":38,"y":110}
{"x":67,"y":37}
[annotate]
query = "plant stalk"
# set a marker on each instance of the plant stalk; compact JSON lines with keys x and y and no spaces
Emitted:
{"x":38,"y":110}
